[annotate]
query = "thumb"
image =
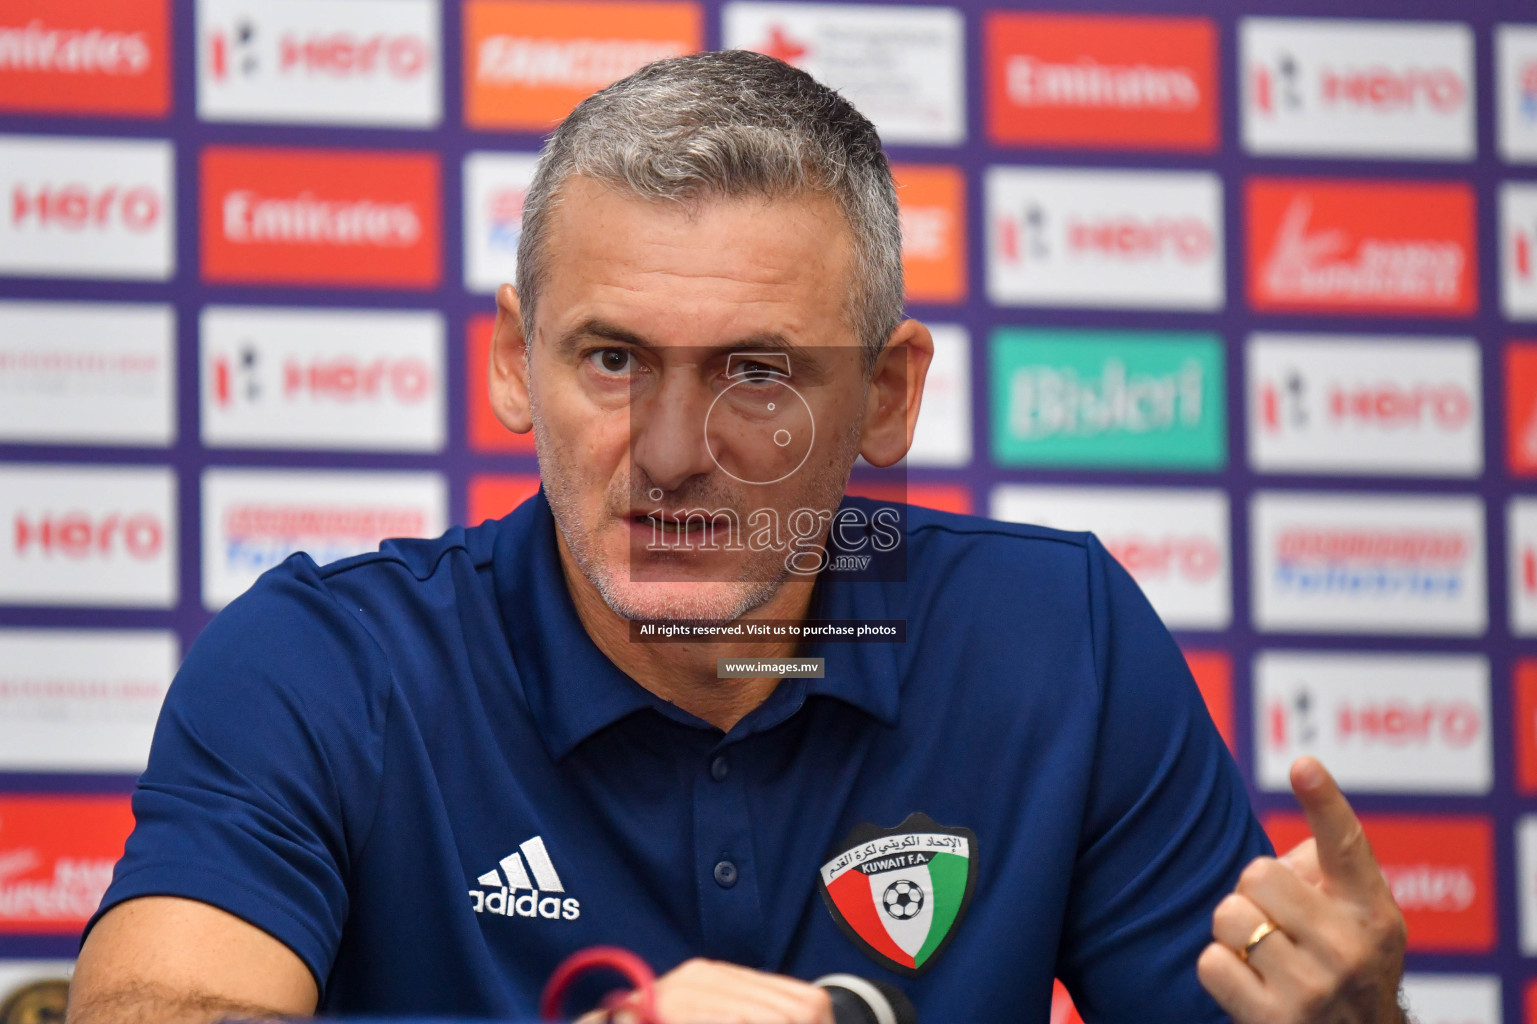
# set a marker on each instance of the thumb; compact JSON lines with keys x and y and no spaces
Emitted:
{"x":1344,"y":856}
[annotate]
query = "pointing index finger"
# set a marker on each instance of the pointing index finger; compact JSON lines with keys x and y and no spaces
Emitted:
{"x":1344,"y":856}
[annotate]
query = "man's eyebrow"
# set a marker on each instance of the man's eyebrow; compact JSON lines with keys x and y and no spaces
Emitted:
{"x":768,"y":341}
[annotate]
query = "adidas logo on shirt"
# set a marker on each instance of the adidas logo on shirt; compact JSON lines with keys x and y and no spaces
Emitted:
{"x":507,"y":897}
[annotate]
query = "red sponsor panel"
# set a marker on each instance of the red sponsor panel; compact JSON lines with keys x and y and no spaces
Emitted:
{"x":1213,"y":671}
{"x":56,"y":858}
{"x":310,"y":216}
{"x":1521,"y":407}
{"x":1377,"y":247}
{"x":944,"y":497}
{"x":1531,"y":1002}
{"x":492,"y":496}
{"x":1441,"y":869}
{"x":528,"y":62}
{"x":86,"y":57}
{"x":486,"y":432}
{"x":933,"y":202}
{"x":1102,"y":82}
{"x":1526,"y":726}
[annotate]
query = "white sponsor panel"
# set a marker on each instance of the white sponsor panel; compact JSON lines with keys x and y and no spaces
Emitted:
{"x":1516,"y":85}
{"x":1104,"y":239}
{"x":344,"y":379}
{"x":365,"y":62}
{"x":74,"y":700}
{"x":1521,"y":569}
{"x":83,"y":207}
{"x":88,"y":535}
{"x":495,"y":185}
{"x":943,"y":435}
{"x":1518,"y":249}
{"x":1378,"y":563}
{"x":1452,"y":998}
{"x":87,"y":373}
{"x":1383,"y":723}
{"x":255,"y":518}
{"x":1173,"y":541}
{"x":902,"y":67}
{"x":1365,"y":405}
{"x":16,"y":975}
{"x":1526,"y":883}
{"x":1330,"y":86}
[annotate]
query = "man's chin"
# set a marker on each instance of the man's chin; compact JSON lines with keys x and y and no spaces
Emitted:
{"x":690,"y":601}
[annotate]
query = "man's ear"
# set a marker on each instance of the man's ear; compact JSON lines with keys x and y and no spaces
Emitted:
{"x":509,"y":364}
{"x":896,"y":390}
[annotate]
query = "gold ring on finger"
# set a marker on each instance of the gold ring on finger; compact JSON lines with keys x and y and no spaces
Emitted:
{"x":1256,"y":937}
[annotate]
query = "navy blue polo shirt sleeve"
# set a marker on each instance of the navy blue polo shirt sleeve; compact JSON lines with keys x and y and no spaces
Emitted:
{"x":265,"y":765}
{"x":1167,"y":827}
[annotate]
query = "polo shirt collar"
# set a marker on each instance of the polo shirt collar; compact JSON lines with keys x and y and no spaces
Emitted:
{"x":573,"y":690}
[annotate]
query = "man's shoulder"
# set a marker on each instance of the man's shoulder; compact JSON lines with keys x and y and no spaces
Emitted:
{"x":949,"y":542}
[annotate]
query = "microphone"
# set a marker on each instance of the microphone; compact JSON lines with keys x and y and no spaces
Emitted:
{"x":859,"y":1000}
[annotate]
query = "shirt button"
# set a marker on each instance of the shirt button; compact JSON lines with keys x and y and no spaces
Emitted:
{"x":719,"y":769}
{"x":725,"y":874}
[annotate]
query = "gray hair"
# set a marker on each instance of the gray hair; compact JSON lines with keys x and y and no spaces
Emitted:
{"x":727,"y":125}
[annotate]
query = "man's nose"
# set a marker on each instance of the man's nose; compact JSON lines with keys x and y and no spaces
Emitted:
{"x":667,"y":432}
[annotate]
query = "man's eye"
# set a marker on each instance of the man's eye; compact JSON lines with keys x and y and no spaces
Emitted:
{"x":759,"y":371}
{"x":612,"y":360}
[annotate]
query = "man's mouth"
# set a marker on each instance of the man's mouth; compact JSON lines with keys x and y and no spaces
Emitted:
{"x":671,"y":526}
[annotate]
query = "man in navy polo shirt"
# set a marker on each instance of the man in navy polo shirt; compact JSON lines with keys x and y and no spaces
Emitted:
{"x":414,"y":781}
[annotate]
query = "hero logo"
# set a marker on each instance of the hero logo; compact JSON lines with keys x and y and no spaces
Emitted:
{"x":88,"y":535}
{"x":1119,"y":237}
{"x":337,"y":54}
{"x":407,"y":381}
{"x":1383,"y":723}
{"x":1386,"y":563}
{"x":1082,"y":238}
{"x":1518,"y":230}
{"x":1350,"y":404}
{"x":78,"y":207}
{"x":1173,"y":542}
{"x":1374,"y":89}
{"x":351,"y":379}
{"x":307,"y":61}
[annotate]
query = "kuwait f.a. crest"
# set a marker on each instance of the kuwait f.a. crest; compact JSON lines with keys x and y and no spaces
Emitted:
{"x":900,"y":893}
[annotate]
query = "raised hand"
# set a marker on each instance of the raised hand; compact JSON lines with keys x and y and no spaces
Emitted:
{"x":1315,"y":936}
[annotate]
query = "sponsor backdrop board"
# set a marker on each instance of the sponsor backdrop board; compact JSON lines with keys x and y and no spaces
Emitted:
{"x":1252,"y":294}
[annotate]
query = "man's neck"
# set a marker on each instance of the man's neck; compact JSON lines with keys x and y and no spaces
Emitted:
{"x":684,"y":674}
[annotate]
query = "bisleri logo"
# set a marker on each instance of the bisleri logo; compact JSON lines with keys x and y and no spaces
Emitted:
{"x":527,"y":885}
{"x":1389,"y":89}
{"x":1149,"y":399}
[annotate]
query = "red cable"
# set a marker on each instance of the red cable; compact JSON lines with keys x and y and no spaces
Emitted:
{"x":612,"y":958}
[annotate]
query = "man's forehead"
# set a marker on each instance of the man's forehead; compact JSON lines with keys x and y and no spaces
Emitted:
{"x":780,"y":268}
